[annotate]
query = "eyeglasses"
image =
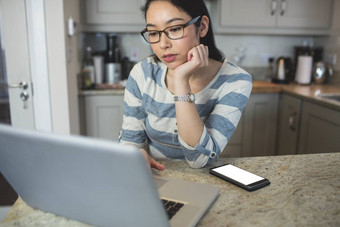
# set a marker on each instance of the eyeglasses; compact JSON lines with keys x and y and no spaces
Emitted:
{"x":172,"y":32}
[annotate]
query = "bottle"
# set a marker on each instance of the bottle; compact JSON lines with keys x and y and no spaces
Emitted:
{"x":270,"y":70}
{"x":112,"y":58}
{"x":88,"y":70}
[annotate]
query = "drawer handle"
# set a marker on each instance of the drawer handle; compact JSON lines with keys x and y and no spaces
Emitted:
{"x":283,"y":7}
{"x":291,"y":121}
{"x":273,"y":7}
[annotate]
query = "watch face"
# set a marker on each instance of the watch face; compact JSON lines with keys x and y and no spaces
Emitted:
{"x":191,"y":97}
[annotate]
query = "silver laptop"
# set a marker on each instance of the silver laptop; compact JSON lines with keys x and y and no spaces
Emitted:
{"x":98,"y":182}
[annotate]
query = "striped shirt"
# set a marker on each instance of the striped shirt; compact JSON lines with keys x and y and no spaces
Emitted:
{"x":149,"y":119}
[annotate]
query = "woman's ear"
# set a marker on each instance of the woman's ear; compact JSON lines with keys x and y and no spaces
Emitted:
{"x":204,"y":27}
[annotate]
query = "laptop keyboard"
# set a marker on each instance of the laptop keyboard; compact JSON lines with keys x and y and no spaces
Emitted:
{"x":171,"y":207}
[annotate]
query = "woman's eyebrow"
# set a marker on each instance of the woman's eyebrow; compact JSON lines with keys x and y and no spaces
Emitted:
{"x":168,"y":22}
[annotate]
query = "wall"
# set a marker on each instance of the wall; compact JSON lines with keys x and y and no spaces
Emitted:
{"x":256,"y":49}
{"x":56,"y":66}
{"x":73,"y":62}
{"x":333,"y":42}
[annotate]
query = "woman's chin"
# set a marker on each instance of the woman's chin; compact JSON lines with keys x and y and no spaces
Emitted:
{"x":172,"y":65}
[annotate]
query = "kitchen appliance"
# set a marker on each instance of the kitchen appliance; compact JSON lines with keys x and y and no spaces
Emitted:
{"x":304,"y":70}
{"x":112,"y":60}
{"x":127,"y":65}
{"x":284,"y":70}
{"x":322,"y":72}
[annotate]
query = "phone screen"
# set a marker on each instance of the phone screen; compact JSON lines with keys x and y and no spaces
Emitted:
{"x":238,"y":174}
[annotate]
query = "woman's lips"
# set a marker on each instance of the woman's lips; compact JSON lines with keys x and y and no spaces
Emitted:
{"x":169,"y":57}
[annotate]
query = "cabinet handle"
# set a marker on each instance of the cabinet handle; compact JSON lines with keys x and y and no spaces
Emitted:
{"x":283,"y":7}
{"x":291,"y":121}
{"x":273,"y":7}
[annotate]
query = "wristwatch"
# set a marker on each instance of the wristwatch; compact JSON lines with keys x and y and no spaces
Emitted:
{"x":190,"y":97}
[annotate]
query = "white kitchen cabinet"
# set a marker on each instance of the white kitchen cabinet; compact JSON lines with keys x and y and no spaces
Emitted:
{"x":274,"y":16}
{"x":289,"y":125}
{"x":112,"y":15}
{"x":256,"y":133}
{"x":319,"y":130}
{"x":103,"y":116}
{"x":234,"y":146}
{"x":260,"y":125}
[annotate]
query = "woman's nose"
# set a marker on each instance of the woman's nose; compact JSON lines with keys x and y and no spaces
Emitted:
{"x":164,"y":41}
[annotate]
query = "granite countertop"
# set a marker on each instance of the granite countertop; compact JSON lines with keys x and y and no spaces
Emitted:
{"x":304,"y":191}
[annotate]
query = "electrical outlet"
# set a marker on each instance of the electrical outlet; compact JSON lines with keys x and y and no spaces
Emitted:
{"x":265,"y":58}
{"x":134,"y":54}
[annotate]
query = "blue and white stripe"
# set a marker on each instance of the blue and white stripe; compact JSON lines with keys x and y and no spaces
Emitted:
{"x":150,"y":119}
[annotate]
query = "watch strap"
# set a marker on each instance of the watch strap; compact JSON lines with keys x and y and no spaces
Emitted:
{"x":190,"y":97}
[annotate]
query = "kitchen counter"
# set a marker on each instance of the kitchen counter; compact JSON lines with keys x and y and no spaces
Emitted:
{"x":305,"y":92}
{"x":312,"y":93}
{"x":304,"y":191}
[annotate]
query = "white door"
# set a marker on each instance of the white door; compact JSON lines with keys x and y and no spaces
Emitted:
{"x":14,"y":43}
{"x":24,"y":55}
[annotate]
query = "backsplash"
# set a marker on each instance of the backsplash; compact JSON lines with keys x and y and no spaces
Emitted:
{"x":250,"y":52}
{"x":256,"y":49}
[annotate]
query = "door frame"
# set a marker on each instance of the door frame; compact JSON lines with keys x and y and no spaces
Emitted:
{"x":37,"y":43}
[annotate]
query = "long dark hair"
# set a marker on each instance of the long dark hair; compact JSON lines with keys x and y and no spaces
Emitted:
{"x":194,"y":8}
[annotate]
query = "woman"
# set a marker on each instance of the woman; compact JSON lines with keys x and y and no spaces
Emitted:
{"x":186,"y":101}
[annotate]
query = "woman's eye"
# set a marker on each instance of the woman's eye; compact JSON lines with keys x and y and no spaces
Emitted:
{"x":153,"y":34}
{"x":175,"y":29}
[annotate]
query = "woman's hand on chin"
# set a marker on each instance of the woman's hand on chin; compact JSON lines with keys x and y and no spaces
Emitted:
{"x":197,"y":58}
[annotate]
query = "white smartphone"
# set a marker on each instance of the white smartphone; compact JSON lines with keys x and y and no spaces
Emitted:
{"x":239,"y":177}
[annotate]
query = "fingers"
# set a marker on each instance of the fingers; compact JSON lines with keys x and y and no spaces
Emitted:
{"x":200,"y":55}
{"x":151,"y":162}
{"x":156,"y":165}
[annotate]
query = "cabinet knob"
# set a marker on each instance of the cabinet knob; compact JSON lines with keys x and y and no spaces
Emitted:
{"x":273,"y":7}
{"x":283,"y":7}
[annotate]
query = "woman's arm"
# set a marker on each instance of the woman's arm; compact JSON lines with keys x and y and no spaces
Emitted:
{"x":203,"y":141}
{"x":221,"y":122}
{"x":133,"y":128}
{"x":190,"y":126}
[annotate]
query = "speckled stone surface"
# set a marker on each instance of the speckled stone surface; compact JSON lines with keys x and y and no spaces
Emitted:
{"x":304,"y":191}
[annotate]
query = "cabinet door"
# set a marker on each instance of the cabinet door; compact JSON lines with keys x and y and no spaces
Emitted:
{"x":245,"y":13}
{"x":297,"y":17}
{"x":234,"y":146}
{"x":114,"y":12}
{"x":259,"y":135}
{"x":304,"y":14}
{"x":104,"y":116}
{"x":320,"y":129}
{"x":289,"y":125}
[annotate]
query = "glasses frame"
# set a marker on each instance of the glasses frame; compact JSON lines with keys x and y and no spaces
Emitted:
{"x":193,"y":21}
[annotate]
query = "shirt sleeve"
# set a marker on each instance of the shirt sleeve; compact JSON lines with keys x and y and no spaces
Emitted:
{"x":133,"y":128}
{"x":221,"y":123}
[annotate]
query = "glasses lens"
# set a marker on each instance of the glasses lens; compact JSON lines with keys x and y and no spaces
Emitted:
{"x":174,"y":32}
{"x":151,"y":36}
